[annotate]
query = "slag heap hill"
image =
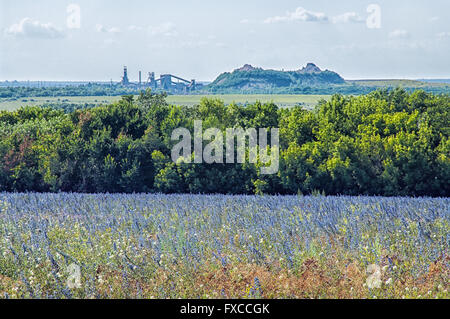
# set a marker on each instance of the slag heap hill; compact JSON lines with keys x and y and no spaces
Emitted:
{"x":249,"y":77}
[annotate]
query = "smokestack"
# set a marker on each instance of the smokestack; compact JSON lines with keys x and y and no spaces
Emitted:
{"x":140,"y":78}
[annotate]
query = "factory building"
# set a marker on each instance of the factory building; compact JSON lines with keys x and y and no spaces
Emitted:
{"x":166,"y":82}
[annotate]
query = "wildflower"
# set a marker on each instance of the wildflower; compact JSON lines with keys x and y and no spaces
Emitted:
{"x":373,"y":282}
{"x":388,"y":282}
{"x":374,"y":279}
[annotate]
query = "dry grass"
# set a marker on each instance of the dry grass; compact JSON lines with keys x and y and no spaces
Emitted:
{"x":331,"y":278}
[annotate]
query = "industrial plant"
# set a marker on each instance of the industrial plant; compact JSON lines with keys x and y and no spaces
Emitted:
{"x":165,"y":82}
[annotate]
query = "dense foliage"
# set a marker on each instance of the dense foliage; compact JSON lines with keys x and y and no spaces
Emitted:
{"x":90,"y":89}
{"x":384,"y":143}
{"x":227,"y":83}
{"x":200,"y":246}
{"x":328,"y":89}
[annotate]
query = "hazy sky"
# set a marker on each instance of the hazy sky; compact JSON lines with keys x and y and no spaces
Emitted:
{"x":45,"y":40}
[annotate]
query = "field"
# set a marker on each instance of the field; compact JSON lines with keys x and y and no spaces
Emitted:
{"x":189,"y":100}
{"x":398,"y":83}
{"x":198,"y":246}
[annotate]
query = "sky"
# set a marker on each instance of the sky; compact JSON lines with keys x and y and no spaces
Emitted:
{"x":91,"y":40}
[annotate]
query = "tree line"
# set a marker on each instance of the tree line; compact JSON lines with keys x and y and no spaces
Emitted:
{"x":391,"y":143}
{"x":90,"y":89}
{"x":234,"y":87}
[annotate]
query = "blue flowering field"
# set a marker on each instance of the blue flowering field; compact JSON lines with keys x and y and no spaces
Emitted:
{"x":216,"y":246}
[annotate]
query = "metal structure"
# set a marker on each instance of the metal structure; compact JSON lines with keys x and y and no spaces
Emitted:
{"x":125,"y":80}
{"x":166,"y":82}
{"x":151,"y":80}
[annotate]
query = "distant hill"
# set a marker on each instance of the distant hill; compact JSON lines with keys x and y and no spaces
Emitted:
{"x":447,"y":81}
{"x":249,"y":78}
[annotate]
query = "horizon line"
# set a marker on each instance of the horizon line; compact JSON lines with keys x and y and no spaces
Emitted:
{"x":137,"y":81}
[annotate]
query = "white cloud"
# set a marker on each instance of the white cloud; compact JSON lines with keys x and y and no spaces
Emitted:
{"x":399,"y":34}
{"x":193,"y":44}
{"x":103,"y":29}
{"x":134,"y":28}
{"x":348,"y":17}
{"x":167,"y":29}
{"x":244,"y":21}
{"x":434,"y":19}
{"x":443,"y":35}
{"x":300,"y":14}
{"x":193,"y":35}
{"x":111,"y":42}
{"x":114,"y":30}
{"x":30,"y":28}
{"x":100,"y":28}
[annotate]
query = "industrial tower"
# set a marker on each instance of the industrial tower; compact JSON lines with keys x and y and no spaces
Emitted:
{"x":125,"y":80}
